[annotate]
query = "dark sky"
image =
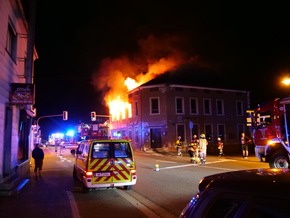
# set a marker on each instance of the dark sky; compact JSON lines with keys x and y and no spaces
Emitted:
{"x":248,"y":42}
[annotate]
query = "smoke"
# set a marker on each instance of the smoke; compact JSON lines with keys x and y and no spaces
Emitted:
{"x":155,"y":56}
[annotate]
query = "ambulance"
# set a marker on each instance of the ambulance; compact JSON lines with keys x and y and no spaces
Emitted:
{"x":105,"y":163}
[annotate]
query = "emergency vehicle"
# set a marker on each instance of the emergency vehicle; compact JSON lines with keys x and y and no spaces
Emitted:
{"x":101,"y":163}
{"x":270,"y":131}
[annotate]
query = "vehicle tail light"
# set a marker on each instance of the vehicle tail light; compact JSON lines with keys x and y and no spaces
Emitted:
{"x":133,"y":172}
{"x":89,"y":174}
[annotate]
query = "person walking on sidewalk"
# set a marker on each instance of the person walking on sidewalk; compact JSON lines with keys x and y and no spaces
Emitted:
{"x":202,"y":148}
{"x":38,"y":156}
{"x":178,"y":146}
{"x":245,"y":141}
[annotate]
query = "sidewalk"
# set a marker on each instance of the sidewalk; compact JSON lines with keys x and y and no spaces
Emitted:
{"x":44,"y":197}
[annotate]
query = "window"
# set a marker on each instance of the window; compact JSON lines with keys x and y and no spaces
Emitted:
{"x":239,"y":105}
{"x":11,"y":42}
{"x":180,"y":130}
{"x":207,"y":106}
{"x":208,"y":131}
{"x":179,"y":105}
{"x":122,"y":149}
{"x":101,"y":150}
{"x":136,"y":108}
{"x":221,"y":131}
{"x":195,"y":130}
{"x":154,"y":105}
{"x":220,"y":107}
{"x":193,"y":106}
{"x":136,"y":134}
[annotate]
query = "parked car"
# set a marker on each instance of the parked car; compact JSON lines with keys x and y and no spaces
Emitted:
{"x":244,"y":193}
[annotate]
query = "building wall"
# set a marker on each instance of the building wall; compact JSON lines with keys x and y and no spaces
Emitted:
{"x":12,"y":70}
{"x":165,"y":123}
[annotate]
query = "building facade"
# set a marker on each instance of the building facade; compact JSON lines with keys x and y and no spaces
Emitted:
{"x":16,"y":96}
{"x":162,"y":112}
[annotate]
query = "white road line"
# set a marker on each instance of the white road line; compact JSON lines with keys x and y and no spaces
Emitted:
{"x":73,"y":205}
{"x":147,"y":207}
{"x":165,"y":161}
{"x":194,"y":165}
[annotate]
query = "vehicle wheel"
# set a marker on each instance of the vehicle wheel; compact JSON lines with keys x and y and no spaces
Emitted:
{"x":75,"y":175}
{"x":279,"y":160}
{"x":128,"y":187}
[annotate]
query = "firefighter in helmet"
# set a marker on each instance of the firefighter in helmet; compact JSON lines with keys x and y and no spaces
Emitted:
{"x":193,"y":149}
{"x":202,"y":148}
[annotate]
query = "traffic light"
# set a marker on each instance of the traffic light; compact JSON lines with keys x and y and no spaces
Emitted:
{"x":93,"y":116}
{"x":65,"y":115}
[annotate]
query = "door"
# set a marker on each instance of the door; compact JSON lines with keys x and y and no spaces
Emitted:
{"x":155,"y":136}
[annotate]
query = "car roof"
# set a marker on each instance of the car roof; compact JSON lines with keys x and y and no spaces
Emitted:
{"x":255,"y":181}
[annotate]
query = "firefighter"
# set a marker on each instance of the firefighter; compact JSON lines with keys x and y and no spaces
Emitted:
{"x":220,"y":146}
{"x":193,"y":149}
{"x":245,"y":141}
{"x":178,"y":146}
{"x":202,"y":148}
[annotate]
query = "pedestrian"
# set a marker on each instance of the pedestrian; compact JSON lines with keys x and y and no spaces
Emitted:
{"x":245,"y":141}
{"x":220,"y":145}
{"x":202,"y":148}
{"x":38,"y":156}
{"x":178,"y":146}
{"x":193,"y":149}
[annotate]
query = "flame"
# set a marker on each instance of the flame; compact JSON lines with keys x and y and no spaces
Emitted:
{"x":119,"y":75}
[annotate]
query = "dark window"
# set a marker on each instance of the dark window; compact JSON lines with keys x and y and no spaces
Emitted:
{"x":180,"y":131}
{"x":221,"y":131}
{"x":154,"y":106}
{"x":208,"y":132}
{"x":193,"y":106}
{"x":207,"y":106}
{"x":136,"y":108}
{"x":179,"y":105}
{"x":11,"y":42}
{"x":239,"y":108}
{"x":220,"y":107}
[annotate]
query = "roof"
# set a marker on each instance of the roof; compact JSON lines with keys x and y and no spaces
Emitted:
{"x":196,"y":77}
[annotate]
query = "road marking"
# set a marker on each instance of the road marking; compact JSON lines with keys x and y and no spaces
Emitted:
{"x":191,"y":164}
{"x":73,"y":205}
{"x":149,"y":208}
{"x":165,"y":161}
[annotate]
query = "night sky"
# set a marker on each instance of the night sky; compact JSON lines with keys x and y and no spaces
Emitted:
{"x":247,"y":42}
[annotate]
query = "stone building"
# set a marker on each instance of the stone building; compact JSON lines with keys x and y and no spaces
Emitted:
{"x":177,"y":105}
{"x":17,"y":55}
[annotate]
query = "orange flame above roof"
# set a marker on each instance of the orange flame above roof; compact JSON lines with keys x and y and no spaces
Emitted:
{"x":119,"y":75}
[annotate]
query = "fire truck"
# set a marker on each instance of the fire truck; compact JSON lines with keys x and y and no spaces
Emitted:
{"x":270,"y":131}
{"x":93,"y":131}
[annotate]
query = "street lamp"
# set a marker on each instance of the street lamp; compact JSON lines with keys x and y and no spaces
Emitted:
{"x":286,"y":81}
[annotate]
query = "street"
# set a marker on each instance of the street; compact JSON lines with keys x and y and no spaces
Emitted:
{"x":162,"y":193}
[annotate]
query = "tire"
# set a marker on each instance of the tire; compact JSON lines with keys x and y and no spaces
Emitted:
{"x":279,"y":160}
{"x":128,"y":187}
